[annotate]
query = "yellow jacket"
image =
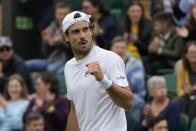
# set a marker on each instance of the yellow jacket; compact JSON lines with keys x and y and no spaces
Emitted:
{"x":183,"y":81}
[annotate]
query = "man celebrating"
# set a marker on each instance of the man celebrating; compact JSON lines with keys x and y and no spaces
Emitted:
{"x":96,"y":80}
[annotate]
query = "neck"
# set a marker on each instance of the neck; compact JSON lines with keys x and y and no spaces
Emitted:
{"x":161,"y":101}
{"x":193,"y":67}
{"x":135,"y":23}
{"x":15,"y":99}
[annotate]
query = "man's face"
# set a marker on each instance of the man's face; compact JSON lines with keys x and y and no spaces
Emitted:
{"x":120,"y":48}
{"x":36,"y":125}
{"x":5,"y":53}
{"x":161,"y":126}
{"x":160,"y":27}
{"x":60,"y":13}
{"x":80,"y":38}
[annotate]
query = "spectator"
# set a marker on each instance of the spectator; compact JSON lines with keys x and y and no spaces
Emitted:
{"x":188,"y":32}
{"x":54,"y":108}
{"x":137,"y":30}
{"x":104,"y":24}
{"x":135,"y":75}
{"x":11,"y":63}
{"x":34,"y":122}
{"x":134,"y":67}
{"x":54,"y":51}
{"x":186,"y":80}
{"x":13,"y":104}
{"x":161,"y":104}
{"x":165,"y":47}
{"x":158,"y":123}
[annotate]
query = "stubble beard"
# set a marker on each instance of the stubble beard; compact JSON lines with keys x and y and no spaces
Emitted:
{"x":82,"y":53}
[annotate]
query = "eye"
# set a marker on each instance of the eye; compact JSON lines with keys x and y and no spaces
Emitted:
{"x":85,"y":29}
{"x":75,"y":31}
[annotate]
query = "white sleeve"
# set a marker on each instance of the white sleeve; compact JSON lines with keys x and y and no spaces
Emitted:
{"x":116,"y":71}
{"x":68,"y":95}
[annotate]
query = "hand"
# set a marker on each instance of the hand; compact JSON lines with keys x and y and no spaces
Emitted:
{"x":147,"y":111}
{"x":154,"y":46}
{"x":3,"y":102}
{"x":95,"y":69}
{"x":182,"y":31}
{"x":133,"y":37}
{"x":49,"y":97}
{"x":193,"y":88}
{"x":39,"y":102}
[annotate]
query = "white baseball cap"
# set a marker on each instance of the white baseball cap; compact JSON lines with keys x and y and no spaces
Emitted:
{"x":70,"y":20}
{"x":5,"y":41}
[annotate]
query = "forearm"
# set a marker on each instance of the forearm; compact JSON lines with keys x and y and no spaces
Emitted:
{"x":122,"y":96}
{"x":72,"y":123}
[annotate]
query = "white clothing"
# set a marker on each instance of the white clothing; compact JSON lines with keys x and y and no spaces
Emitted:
{"x":95,"y":109}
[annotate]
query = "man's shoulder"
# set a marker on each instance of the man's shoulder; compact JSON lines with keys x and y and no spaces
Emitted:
{"x":70,"y":62}
{"x":105,"y":53}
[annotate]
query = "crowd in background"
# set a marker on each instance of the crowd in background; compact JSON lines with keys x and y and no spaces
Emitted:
{"x":166,"y":41}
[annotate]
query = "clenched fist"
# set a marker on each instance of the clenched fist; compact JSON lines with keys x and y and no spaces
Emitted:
{"x":95,"y":69}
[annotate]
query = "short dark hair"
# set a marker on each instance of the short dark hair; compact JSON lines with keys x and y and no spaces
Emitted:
{"x":155,"y":120}
{"x":50,"y":78}
{"x":163,"y":17}
{"x":62,"y":4}
{"x":118,"y":39}
{"x":32,"y":117}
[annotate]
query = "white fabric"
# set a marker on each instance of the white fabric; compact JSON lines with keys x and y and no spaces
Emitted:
{"x":95,"y":110}
{"x":185,"y":5}
{"x":70,"y":20}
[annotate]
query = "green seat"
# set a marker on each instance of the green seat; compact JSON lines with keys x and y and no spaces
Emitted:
{"x":163,"y":71}
{"x":184,"y":122}
{"x":171,"y":84}
{"x":63,"y":89}
{"x":193,"y":125}
{"x":116,"y":14}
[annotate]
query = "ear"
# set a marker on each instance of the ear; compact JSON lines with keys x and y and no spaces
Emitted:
{"x":66,"y":38}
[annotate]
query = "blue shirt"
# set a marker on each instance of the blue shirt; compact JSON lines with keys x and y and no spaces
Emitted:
{"x":11,"y":116}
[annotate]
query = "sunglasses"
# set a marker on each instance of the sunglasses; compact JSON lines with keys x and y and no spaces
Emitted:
{"x":5,"y":48}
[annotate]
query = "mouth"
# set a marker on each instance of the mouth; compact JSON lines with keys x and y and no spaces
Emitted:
{"x":82,"y":43}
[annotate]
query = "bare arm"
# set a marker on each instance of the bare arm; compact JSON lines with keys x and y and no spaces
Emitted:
{"x":72,"y":123}
{"x":122,"y":96}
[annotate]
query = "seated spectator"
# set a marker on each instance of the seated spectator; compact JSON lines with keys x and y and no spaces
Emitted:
{"x":104,"y":24}
{"x":165,"y":47}
{"x":188,"y":32}
{"x":34,"y":122}
{"x":54,"y":51}
{"x":54,"y":108}
{"x":13,"y":104}
{"x":158,"y":123}
{"x":186,"y":80}
{"x":11,"y":63}
{"x":137,"y":30}
{"x":134,"y":68}
{"x":161,"y":104}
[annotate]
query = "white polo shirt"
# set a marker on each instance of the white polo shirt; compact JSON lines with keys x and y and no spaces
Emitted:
{"x":95,"y":109}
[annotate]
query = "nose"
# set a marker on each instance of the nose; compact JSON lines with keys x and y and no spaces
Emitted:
{"x":82,"y":34}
